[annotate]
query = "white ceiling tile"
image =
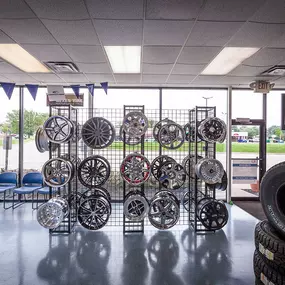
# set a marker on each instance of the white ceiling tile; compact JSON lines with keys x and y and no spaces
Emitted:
{"x":115,"y":9}
{"x":230,"y":10}
{"x":237,"y":80}
{"x":21,"y":77}
{"x":257,"y":35}
{"x":74,"y":78}
{"x":128,"y":78}
{"x":85,"y":54}
{"x":173,"y":9}
{"x":29,"y":31}
{"x":207,"y":80}
{"x":245,"y":70}
{"x":4,"y":79}
{"x":59,"y":9}
{"x":198,"y":55}
{"x":266,"y":57}
{"x":184,"y":79}
{"x":47,"y":52}
{"x":158,"y":55}
{"x":156,"y":68}
{"x":15,"y":9}
{"x":278,"y":43}
{"x":212,"y":33}
{"x":8,"y":68}
{"x":154,"y":78}
{"x":46,"y":78}
{"x":270,"y":12}
{"x":73,"y":32}
{"x":97,"y":78}
{"x":94,"y":67}
{"x":188,"y":68}
{"x":173,"y":33}
{"x":119,"y":32}
{"x":4,"y":39}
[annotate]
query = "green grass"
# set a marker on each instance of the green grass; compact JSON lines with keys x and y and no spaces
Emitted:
{"x":236,"y":147}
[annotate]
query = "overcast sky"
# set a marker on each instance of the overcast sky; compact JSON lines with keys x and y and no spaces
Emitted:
{"x":246,"y":104}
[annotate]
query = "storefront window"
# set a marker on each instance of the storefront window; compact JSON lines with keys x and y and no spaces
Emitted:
{"x":35,"y":114}
{"x":9,"y":126}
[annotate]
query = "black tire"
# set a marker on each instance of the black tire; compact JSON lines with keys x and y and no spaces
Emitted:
{"x":263,"y":271}
{"x":270,"y":246}
{"x":272,"y":196}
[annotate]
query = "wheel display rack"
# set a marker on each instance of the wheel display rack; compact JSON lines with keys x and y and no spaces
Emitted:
{"x":66,"y":150}
{"x":197,"y":149}
{"x":115,"y":153}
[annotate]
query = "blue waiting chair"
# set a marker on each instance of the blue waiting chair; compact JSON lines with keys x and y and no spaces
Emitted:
{"x":8,"y":182}
{"x":31,"y":182}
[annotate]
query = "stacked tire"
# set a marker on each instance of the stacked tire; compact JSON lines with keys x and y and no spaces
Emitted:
{"x":269,"y":256}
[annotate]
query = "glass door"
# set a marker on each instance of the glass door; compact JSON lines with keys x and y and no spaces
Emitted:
{"x":247,"y":158}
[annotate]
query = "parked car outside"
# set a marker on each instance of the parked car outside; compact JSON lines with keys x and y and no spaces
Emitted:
{"x":242,"y":141}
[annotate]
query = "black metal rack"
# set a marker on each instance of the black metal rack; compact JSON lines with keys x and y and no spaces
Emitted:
{"x":69,"y":191}
{"x":131,"y":226}
{"x":199,"y":148}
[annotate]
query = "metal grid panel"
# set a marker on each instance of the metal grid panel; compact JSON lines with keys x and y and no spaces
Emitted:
{"x":115,"y":154}
{"x":68,"y":191}
{"x":205,"y":150}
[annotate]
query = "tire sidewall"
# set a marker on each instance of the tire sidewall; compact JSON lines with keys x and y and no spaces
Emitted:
{"x":270,"y":184}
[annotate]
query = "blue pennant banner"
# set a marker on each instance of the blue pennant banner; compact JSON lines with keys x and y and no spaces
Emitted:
{"x":104,"y":85}
{"x":90,"y":88}
{"x":8,"y":88}
{"x":33,"y":89}
{"x":75,"y":89}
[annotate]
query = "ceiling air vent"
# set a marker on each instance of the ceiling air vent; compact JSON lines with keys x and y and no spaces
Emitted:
{"x":62,"y":67}
{"x":277,"y":70}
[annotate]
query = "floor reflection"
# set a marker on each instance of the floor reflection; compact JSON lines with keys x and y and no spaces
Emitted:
{"x":79,"y":259}
{"x":135,"y":267}
{"x":163,"y":255}
{"x":210,"y":254}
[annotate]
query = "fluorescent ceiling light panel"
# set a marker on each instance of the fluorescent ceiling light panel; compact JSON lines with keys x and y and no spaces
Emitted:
{"x":228,"y":59}
{"x":19,"y":57}
{"x":124,"y":59}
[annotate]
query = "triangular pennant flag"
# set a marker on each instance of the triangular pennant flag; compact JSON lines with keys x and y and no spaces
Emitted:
{"x":90,"y":88}
{"x":75,"y":89}
{"x":105,"y":86}
{"x":33,"y":89}
{"x":8,"y":88}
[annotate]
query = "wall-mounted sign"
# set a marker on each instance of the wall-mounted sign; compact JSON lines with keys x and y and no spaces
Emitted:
{"x":244,"y":171}
{"x":7,"y":142}
{"x":65,"y":99}
{"x":261,"y":86}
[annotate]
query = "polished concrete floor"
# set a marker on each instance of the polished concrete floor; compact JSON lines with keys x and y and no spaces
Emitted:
{"x":28,"y":255}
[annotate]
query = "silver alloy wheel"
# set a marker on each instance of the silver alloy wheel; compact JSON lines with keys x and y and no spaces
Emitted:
{"x":171,"y":136}
{"x":53,"y":212}
{"x":135,"y":124}
{"x":210,"y":170}
{"x":58,"y":129}
{"x":171,"y":175}
{"x":164,"y":211}
{"x":41,"y":140}
{"x":136,"y":207}
{"x":57,"y":172}
{"x":135,"y":169}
